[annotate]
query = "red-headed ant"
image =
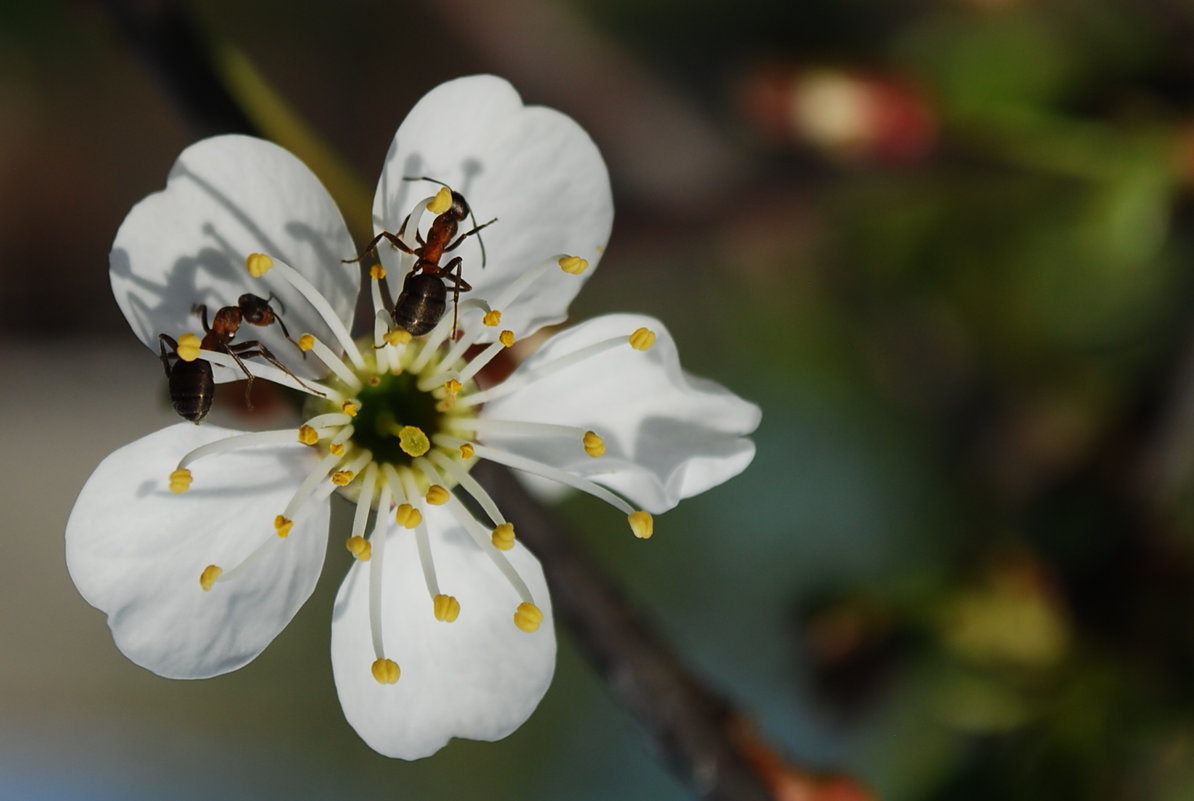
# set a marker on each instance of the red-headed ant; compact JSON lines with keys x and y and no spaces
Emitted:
{"x":424,"y":297}
{"x":192,"y":386}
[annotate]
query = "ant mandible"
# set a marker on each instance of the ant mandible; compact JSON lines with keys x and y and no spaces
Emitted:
{"x":192,"y":386}
{"x":424,"y":297}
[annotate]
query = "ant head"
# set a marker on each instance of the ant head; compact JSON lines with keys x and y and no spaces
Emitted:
{"x":255,"y":310}
{"x":460,"y":207}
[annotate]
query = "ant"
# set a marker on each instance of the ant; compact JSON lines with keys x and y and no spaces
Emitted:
{"x":424,"y":297}
{"x":192,"y":385}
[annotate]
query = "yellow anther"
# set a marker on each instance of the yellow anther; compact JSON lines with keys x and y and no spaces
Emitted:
{"x":444,"y":404}
{"x":359,"y":547}
{"x":306,"y":342}
{"x":528,"y":617}
{"x":447,"y":608}
{"x":398,"y":336}
{"x":573,"y":265}
{"x":452,"y":386}
{"x":282,"y":525}
{"x":307,"y":435}
{"x":336,"y":449}
{"x":350,"y":408}
{"x":594,"y":445}
{"x":642,"y":339}
{"x":342,"y":478}
{"x":413,"y":441}
{"x":258,"y":264}
{"x":441,"y":202}
{"x":492,"y":318}
{"x":437,"y":495}
{"x":386,"y":671}
{"x":466,"y":451}
{"x":408,"y":516}
{"x":642,"y":524}
{"x":503,"y":537}
{"x":506,"y":338}
{"x":188,"y":347}
{"x":209,"y":575}
{"x":377,"y":272}
{"x":180,"y":481}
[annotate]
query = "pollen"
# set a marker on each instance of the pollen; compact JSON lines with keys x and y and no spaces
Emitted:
{"x":642,"y":524}
{"x":642,"y":339}
{"x":528,"y":617}
{"x":573,"y":265}
{"x":377,"y":272}
{"x":503,"y":537}
{"x":437,"y":495}
{"x":441,"y":202}
{"x":336,"y":449}
{"x":306,"y":342}
{"x":209,"y":575}
{"x":447,"y":608}
{"x":386,"y":671}
{"x":492,"y":318}
{"x":282,"y":525}
{"x":594,"y":445}
{"x":408,"y":516}
{"x":506,"y":338}
{"x":413,"y":441}
{"x":398,"y":336}
{"x":359,"y":547}
{"x":258,"y":264}
{"x":307,"y":435}
{"x":188,"y":347}
{"x":180,"y":481}
{"x":342,"y":478}
{"x":467,"y":451}
{"x":350,"y":408}
{"x":452,"y":386}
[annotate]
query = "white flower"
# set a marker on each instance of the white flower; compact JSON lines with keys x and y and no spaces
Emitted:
{"x":200,"y":543}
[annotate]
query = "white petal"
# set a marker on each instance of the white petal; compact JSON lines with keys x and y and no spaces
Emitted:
{"x":668,"y":435}
{"x":479,"y":677}
{"x":227,"y":197}
{"x":531,"y":167}
{"x":135,"y":551}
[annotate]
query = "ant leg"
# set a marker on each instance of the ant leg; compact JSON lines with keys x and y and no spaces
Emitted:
{"x":235,"y":352}
{"x":475,"y":230}
{"x":257,"y":348}
{"x":458,"y":285}
{"x":163,"y":341}
{"x":394,"y":240}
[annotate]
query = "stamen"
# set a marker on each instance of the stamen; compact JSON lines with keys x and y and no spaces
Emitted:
{"x":506,"y":338}
{"x":467,"y":451}
{"x":386,"y":671}
{"x":642,"y":339}
{"x":378,"y":539}
{"x":342,"y":478}
{"x":529,"y":277}
{"x":180,"y":481}
{"x":479,"y":535}
{"x":594,"y":445}
{"x":436,"y":495}
{"x":309,"y":342}
{"x":483,"y":425}
{"x":469,"y":327}
{"x":460,"y":475}
{"x":528,"y":617}
{"x":502,"y":537}
{"x":260,"y":263}
{"x":447,"y":608}
{"x":364,"y":502}
{"x":492,"y":318}
{"x":282,"y":526}
{"x":271,"y":373}
{"x":359,"y":547}
{"x":235,"y":443}
{"x":209,"y":575}
{"x":317,"y":474}
{"x":408,"y":516}
{"x":349,"y":408}
{"x":519,"y":380}
{"x":307,"y":435}
{"x":330,"y":419}
{"x":441,"y":202}
{"x":188,"y":347}
{"x":642,"y":524}
{"x":541,"y":469}
{"x":475,"y":366}
{"x":573,"y":265}
{"x":423,"y":545}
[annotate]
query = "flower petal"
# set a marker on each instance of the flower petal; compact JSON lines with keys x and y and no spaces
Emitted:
{"x":478,"y":677}
{"x":227,"y":197}
{"x":531,"y":167}
{"x":136,"y":551}
{"x":668,"y":435}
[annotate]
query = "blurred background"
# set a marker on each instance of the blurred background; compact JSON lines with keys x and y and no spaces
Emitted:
{"x":945,"y":244}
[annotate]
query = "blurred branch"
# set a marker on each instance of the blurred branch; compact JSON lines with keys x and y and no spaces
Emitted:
{"x":709,"y":743}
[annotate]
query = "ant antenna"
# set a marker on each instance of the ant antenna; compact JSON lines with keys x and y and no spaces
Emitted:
{"x":472,"y":215}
